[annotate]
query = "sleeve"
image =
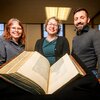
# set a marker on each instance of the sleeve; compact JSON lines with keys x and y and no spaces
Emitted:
{"x":36,"y":46}
{"x":96,"y":43}
{"x":2,"y":53}
{"x":66,"y":47}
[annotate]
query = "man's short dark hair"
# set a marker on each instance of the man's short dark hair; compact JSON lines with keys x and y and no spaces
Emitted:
{"x":81,"y":9}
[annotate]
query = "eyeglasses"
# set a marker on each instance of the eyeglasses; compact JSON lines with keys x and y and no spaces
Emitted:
{"x":51,"y":24}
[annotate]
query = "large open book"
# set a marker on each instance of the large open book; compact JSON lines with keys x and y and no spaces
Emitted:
{"x":32,"y":72}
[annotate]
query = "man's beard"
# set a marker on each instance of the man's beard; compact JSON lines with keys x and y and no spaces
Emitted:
{"x":79,"y":28}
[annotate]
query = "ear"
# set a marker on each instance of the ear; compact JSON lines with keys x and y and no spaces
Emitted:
{"x":88,"y":19}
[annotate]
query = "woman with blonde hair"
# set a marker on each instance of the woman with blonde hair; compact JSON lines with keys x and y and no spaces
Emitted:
{"x":53,"y":47}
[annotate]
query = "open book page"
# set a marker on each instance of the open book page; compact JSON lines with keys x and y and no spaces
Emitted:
{"x":80,"y":69}
{"x":20,"y":62}
{"x":37,"y":69}
{"x":12,"y":63}
{"x":61,"y":73}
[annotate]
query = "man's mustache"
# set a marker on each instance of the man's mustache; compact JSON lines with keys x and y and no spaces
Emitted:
{"x":79,"y":24}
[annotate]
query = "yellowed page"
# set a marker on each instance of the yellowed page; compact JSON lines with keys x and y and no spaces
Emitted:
{"x":80,"y":69}
{"x":61,"y":72}
{"x":20,"y":62}
{"x":12,"y":63}
{"x":37,"y":69}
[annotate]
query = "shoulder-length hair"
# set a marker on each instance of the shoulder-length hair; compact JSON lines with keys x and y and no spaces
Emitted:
{"x":7,"y":34}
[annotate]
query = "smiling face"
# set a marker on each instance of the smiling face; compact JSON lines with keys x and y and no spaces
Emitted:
{"x":80,"y":20}
{"x":15,"y":30}
{"x":52,"y":27}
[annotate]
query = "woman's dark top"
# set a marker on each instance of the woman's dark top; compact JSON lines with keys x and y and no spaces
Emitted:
{"x":9,"y":49}
{"x":61,"y":47}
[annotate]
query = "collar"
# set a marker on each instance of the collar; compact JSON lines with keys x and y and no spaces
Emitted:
{"x":15,"y":42}
{"x":85,"y":29}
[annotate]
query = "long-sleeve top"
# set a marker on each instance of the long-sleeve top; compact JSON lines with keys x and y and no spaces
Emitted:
{"x":9,"y":49}
{"x":86,"y":45}
{"x":61,"y":47}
